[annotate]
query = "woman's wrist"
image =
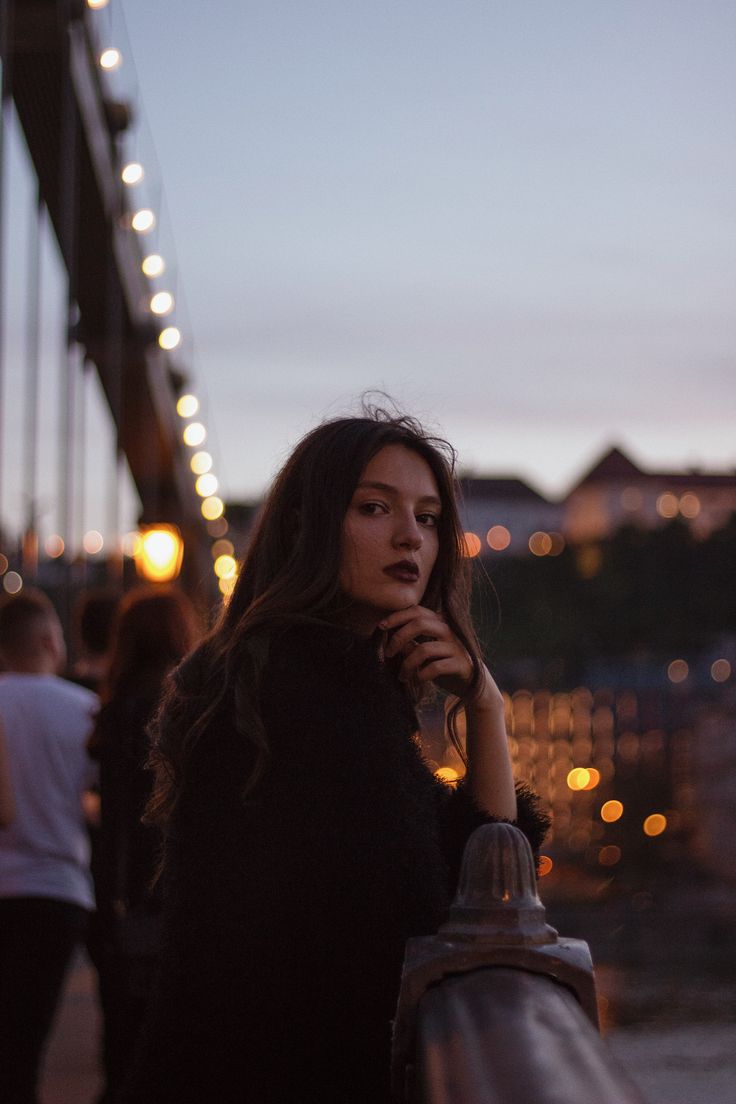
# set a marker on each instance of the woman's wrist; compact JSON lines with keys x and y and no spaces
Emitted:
{"x":487,"y":699}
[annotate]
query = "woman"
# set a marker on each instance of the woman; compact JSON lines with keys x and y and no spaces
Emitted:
{"x":306,"y":840}
{"x":154,"y":629}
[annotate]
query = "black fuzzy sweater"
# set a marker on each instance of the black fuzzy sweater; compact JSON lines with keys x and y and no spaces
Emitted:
{"x":288,"y":914}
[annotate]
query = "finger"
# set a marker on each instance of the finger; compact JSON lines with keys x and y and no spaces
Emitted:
{"x":445,"y":673}
{"x":424,"y":653}
{"x":400,"y":617}
{"x":431,"y":626}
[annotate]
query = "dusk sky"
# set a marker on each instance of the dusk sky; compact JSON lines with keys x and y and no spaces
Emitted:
{"x":517,"y":218}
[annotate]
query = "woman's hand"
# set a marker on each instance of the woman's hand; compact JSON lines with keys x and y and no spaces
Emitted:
{"x":432,"y":653}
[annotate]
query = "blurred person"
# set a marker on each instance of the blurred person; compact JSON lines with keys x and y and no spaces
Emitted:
{"x":92,"y":621}
{"x":94,"y":614}
{"x":306,"y":840}
{"x":154,"y":629}
{"x":45,"y":884}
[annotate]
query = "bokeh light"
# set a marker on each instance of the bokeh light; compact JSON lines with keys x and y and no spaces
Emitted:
{"x":678,"y":670}
{"x":162,"y":302}
{"x":132,"y":173}
{"x":540,"y":543}
{"x":720,"y":671}
{"x":218,"y":527}
{"x":12,"y":582}
{"x":206,"y":485}
{"x":110,"y":59}
{"x":655,"y":824}
{"x":3,"y":563}
{"x":54,"y":546}
{"x":169,"y":338}
{"x":212,"y":508}
{"x":578,"y":778}
{"x":200,"y":463}
{"x":447,"y":775}
{"x":92,"y":542}
{"x":187,"y":406}
{"x":153,"y":265}
{"x":222,"y":548}
{"x":143,"y":220}
{"x":611,"y":811}
{"x":545,"y":865}
{"x":470,"y":545}
{"x":498,"y":538}
{"x":194,"y":434}
{"x":690,"y":505}
{"x":668,"y":505}
{"x":609,"y":855}
{"x":160,"y":553}
{"x":132,"y":544}
{"x":226,"y":567}
{"x":227,"y":586}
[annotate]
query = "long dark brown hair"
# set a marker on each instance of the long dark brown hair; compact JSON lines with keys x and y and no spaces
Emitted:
{"x":153,"y":630}
{"x":291,"y":573}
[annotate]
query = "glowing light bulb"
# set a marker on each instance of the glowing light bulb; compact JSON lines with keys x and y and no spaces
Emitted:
{"x":110,"y":59}
{"x":153,"y":265}
{"x":187,"y":406}
{"x":169,"y":338}
{"x":206,"y":485}
{"x":97,"y":5}
{"x":212,"y":508}
{"x":225,"y":567}
{"x":132,"y":173}
{"x":200,"y":463}
{"x":162,"y":302}
{"x":159,"y":553}
{"x":143,"y":220}
{"x":194,"y":434}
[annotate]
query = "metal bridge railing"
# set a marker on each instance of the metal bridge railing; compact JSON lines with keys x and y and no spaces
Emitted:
{"x":496,"y":1008}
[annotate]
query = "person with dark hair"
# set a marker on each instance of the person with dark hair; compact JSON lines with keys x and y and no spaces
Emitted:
{"x":45,"y":885}
{"x":154,"y":629}
{"x":93,"y":619}
{"x":305,"y":838}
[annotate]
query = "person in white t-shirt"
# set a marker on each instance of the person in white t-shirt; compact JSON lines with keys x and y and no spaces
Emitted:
{"x":45,"y":885}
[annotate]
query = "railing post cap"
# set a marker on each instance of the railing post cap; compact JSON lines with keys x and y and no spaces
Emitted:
{"x":497,"y":897}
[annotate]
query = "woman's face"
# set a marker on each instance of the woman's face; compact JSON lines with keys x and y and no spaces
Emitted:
{"x":389,"y":536}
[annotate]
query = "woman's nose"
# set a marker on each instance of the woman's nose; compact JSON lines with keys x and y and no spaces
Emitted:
{"x":408,"y":533}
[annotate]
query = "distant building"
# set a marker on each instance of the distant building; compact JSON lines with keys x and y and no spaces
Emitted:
{"x":616,"y":492}
{"x":505,"y":512}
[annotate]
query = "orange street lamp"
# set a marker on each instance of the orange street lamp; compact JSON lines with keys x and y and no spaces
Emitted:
{"x":159,"y":553}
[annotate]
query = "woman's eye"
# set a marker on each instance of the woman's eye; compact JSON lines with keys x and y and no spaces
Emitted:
{"x":371,"y":508}
{"x":428,"y":519}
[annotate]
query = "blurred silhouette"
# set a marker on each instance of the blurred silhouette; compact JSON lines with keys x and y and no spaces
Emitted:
{"x":94,"y":615}
{"x":154,"y":629}
{"x":45,"y":883}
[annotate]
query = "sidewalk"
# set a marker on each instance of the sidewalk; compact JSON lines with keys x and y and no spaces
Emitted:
{"x":70,"y":1071}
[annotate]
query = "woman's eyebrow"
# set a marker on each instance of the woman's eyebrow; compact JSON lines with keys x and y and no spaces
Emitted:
{"x":429,"y":500}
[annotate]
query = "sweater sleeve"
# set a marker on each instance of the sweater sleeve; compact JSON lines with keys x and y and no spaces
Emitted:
{"x":460,"y":816}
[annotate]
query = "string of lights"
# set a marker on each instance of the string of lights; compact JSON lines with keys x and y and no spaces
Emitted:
{"x":158,"y":543}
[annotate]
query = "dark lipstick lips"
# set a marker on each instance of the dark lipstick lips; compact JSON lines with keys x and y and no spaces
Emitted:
{"x":404,"y":570}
